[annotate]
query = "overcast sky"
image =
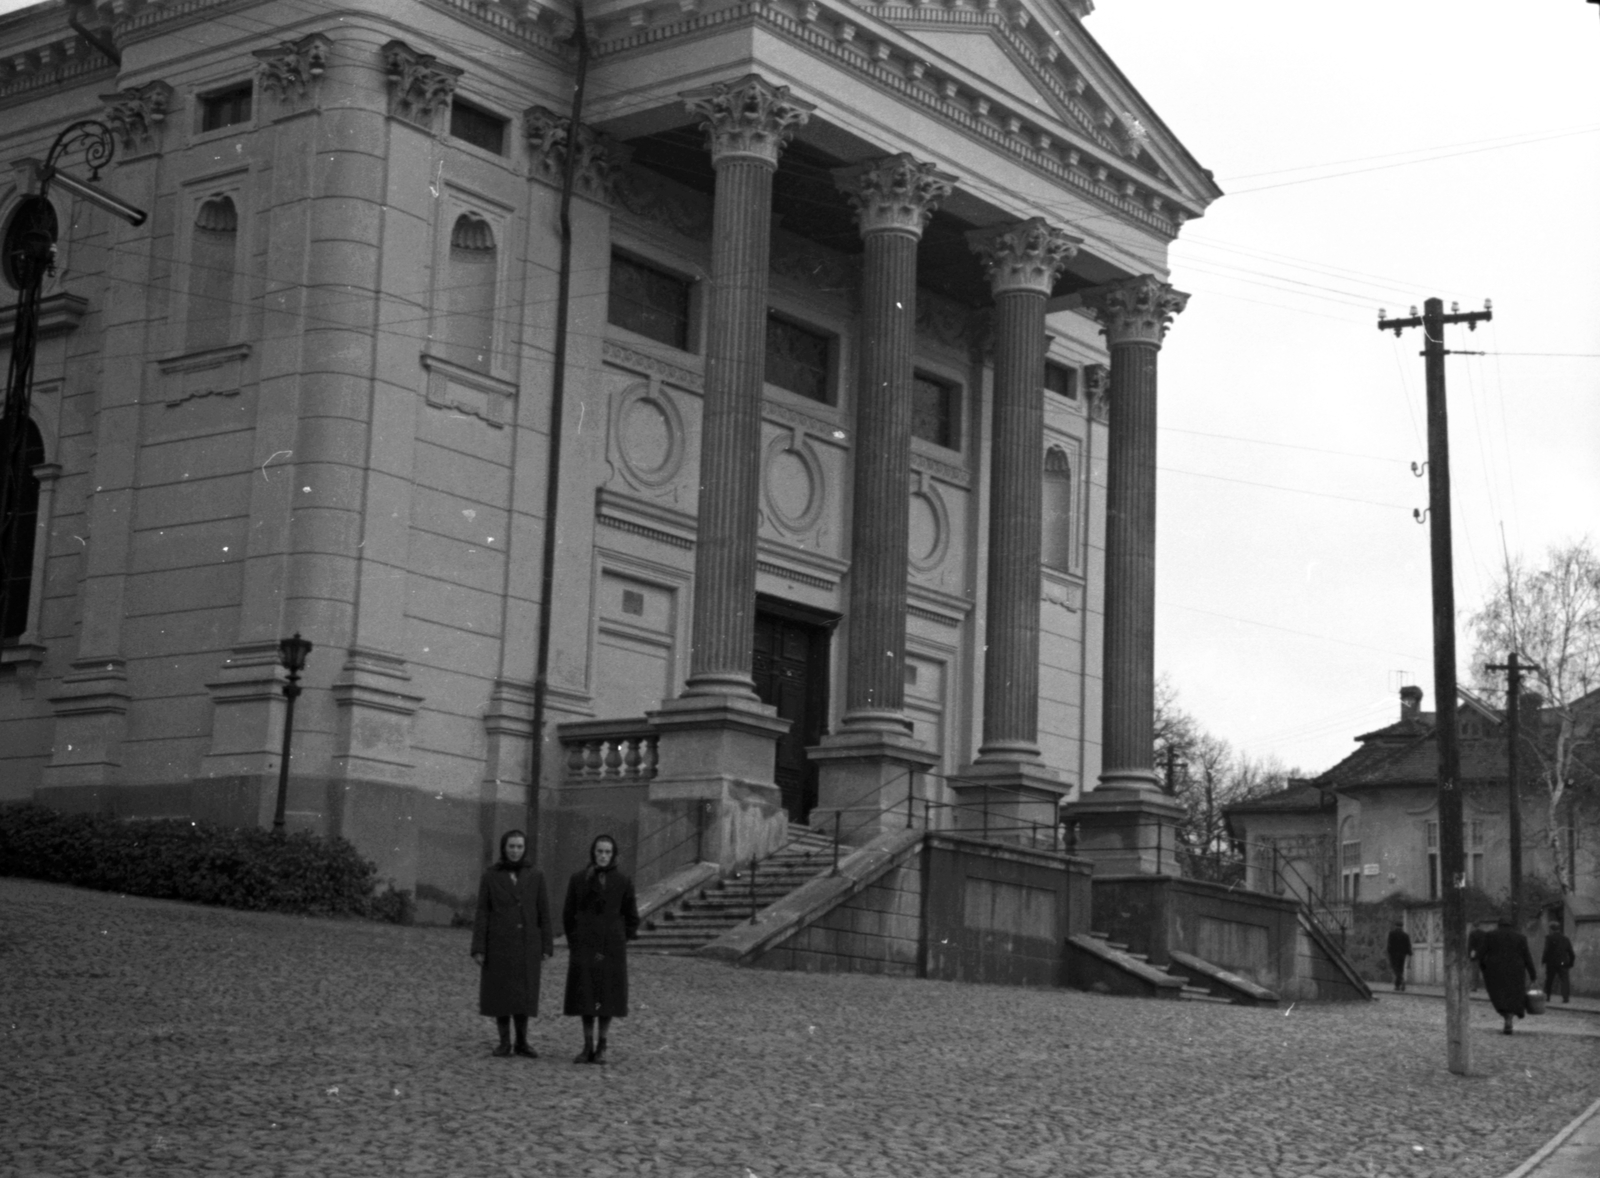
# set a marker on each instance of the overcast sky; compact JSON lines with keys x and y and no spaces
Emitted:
{"x":1374,"y":152}
{"x":1292,"y":582}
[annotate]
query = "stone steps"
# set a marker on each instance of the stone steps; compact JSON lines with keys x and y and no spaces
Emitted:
{"x":1189,"y":993}
{"x":704,"y":915}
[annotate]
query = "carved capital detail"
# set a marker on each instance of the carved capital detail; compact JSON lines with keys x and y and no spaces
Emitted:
{"x":137,"y":115}
{"x":420,"y":85}
{"x":599,"y":159}
{"x":289,"y":70}
{"x":895,"y":194}
{"x":1026,"y":256}
{"x":1137,"y":311}
{"x":1096,"y":387}
{"x":749,"y":118}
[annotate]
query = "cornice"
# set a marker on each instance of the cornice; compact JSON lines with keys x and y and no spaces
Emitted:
{"x":53,"y":65}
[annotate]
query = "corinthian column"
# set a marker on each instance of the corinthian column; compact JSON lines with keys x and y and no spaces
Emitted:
{"x":1134,"y":316}
{"x":893,"y":199}
{"x":747,"y":123}
{"x":1022,"y":261}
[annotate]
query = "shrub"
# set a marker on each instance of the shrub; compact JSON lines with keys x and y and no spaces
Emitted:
{"x":175,"y":859}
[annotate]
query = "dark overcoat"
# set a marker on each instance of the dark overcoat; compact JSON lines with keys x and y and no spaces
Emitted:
{"x":512,"y":931}
{"x":1558,"y":952}
{"x":1507,"y":969}
{"x":1399,"y":947}
{"x":599,"y":917}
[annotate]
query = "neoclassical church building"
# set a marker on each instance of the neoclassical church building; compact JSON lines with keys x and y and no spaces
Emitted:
{"x":716,"y":416}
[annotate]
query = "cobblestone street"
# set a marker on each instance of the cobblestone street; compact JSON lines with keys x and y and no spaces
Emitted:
{"x":149,"y":1037}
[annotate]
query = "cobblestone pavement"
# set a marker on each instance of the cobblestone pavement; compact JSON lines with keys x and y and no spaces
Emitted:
{"x":148,"y":1037}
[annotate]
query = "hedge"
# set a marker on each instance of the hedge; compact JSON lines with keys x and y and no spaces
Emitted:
{"x":176,"y":859}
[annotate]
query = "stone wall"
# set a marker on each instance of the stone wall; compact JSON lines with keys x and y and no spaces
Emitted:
{"x":877,"y":930}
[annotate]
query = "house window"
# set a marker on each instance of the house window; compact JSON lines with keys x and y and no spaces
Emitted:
{"x":797,"y":358}
{"x":1471,"y":857}
{"x":213,"y":257}
{"x":1056,"y":548}
{"x":1060,"y":379}
{"x":19,"y":541}
{"x":649,"y":301}
{"x":471,"y":280}
{"x":474,"y":125}
{"x":936,"y":411}
{"x":1350,"y":861}
{"x":226,"y":108}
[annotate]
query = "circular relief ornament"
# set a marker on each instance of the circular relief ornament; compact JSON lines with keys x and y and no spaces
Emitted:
{"x":928,"y":539}
{"x":792,"y":484}
{"x":649,"y":433}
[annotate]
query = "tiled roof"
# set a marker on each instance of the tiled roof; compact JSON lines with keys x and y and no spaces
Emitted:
{"x":1384,"y":760}
{"x":1299,"y":797}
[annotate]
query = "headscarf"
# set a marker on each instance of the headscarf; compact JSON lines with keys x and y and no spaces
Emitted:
{"x":594,"y":894}
{"x":506,"y":864}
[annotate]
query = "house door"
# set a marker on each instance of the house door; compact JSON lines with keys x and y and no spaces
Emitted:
{"x":790,"y":667}
{"x":1426,"y":927}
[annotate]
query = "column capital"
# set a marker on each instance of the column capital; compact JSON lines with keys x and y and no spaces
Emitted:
{"x":895,"y":194}
{"x":599,"y":157}
{"x":1026,"y":256}
{"x":1137,"y":311}
{"x":420,"y":85}
{"x":749,"y":118}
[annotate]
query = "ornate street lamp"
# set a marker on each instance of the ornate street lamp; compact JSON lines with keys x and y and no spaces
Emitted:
{"x":292,"y":654}
{"x":27,"y":256}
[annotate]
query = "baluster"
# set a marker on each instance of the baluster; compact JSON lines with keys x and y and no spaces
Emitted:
{"x":647,"y":757}
{"x":613,"y":759}
{"x":574,"y":761}
{"x":632,"y":758}
{"x":592,"y":752}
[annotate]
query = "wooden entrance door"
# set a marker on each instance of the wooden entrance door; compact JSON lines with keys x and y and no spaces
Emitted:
{"x":790,"y":667}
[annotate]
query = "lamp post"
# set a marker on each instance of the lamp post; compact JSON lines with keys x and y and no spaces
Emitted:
{"x":292,"y":654}
{"x":27,"y":256}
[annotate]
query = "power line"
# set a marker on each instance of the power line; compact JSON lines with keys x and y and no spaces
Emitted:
{"x":1501,"y":140}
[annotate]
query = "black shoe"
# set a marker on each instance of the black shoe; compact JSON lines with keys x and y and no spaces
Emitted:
{"x":524,"y":1050}
{"x":502,"y":1051}
{"x":599,"y":1055}
{"x":584,"y":1056}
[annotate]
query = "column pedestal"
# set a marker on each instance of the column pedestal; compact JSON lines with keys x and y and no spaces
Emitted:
{"x":1126,"y":831}
{"x":1011,"y":801}
{"x":714,"y":797}
{"x":864,"y":780}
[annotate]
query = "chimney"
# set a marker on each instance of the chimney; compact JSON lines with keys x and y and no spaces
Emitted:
{"x":1410,"y":704}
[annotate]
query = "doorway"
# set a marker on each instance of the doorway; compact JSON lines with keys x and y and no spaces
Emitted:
{"x":790,"y":668}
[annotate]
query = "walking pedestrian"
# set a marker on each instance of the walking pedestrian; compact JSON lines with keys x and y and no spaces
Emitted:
{"x":1474,"y":951}
{"x":1557,"y":959}
{"x":600,"y":916}
{"x":511,"y":937}
{"x":1507,"y":968}
{"x":1399,"y":948}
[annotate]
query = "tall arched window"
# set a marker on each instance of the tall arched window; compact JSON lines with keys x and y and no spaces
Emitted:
{"x":213,"y":258}
{"x":469,"y":295}
{"x":1350,"y":859}
{"x":18,"y":540}
{"x":1056,"y":549}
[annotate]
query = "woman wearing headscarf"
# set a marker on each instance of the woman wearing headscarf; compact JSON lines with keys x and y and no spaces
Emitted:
{"x":599,"y":917}
{"x":511,"y":936}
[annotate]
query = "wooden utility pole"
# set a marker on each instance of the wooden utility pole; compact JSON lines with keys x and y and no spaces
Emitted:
{"x":1514,"y":667}
{"x":1452,"y":865}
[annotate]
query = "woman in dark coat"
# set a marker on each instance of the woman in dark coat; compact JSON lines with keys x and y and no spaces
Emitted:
{"x":511,"y":936}
{"x":599,"y":917}
{"x":1507,"y":970}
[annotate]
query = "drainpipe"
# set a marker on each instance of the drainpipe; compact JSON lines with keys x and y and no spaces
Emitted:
{"x":558,"y":385}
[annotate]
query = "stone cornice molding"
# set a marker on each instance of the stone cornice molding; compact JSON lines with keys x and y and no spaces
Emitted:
{"x":896,"y":194}
{"x":137,"y":115}
{"x":747,"y":119}
{"x":599,"y":161}
{"x":1137,"y":311}
{"x":1027,"y":256}
{"x":420,"y":85}
{"x":291,"y":70}
{"x":55,"y":63}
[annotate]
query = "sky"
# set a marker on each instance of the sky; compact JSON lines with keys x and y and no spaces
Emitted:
{"x":1374,"y":153}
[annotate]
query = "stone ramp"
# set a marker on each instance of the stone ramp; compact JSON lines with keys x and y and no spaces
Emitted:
{"x":1095,"y":962}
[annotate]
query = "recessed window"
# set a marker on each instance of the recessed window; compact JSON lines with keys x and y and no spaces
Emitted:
{"x":226,"y":108}
{"x":470,"y":292}
{"x":797,"y":358}
{"x":936,"y":411}
{"x":213,"y":261}
{"x":649,"y":301}
{"x":1056,"y":546}
{"x":474,"y":125}
{"x":1058,"y":378}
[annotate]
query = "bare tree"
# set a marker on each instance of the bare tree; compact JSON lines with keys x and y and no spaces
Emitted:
{"x":1550,"y":615}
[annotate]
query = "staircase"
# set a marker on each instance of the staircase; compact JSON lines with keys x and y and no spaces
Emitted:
{"x":1137,"y":965}
{"x":704,"y":915}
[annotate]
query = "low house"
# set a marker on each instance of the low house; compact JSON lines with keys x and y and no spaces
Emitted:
{"x":1287,"y":839}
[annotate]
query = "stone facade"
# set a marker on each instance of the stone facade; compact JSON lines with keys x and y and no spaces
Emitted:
{"x":314,"y":393}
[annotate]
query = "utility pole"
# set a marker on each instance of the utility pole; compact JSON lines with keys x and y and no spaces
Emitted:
{"x":1452,"y":865}
{"x":1514,"y":667}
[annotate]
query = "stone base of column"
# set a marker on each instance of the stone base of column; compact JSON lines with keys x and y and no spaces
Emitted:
{"x":864,"y":778}
{"x":1126,"y":831}
{"x":91,"y":713}
{"x":714,"y":798}
{"x":1011,"y":801}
